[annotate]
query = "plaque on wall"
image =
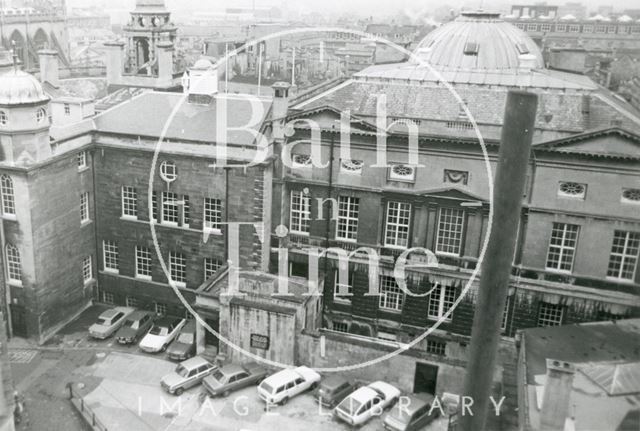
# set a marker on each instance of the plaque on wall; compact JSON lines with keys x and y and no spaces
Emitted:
{"x":260,"y":341}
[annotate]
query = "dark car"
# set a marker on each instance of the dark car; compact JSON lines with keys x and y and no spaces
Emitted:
{"x":135,"y":327}
{"x":233,"y":377}
{"x":414,"y":416}
{"x":332,"y":390}
{"x":184,"y":346}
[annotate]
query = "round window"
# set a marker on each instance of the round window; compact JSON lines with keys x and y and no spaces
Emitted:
{"x":631,"y":195}
{"x":352,"y":165}
{"x":168,"y":171}
{"x":403,"y":170}
{"x":572,"y":189}
{"x":301,"y":159}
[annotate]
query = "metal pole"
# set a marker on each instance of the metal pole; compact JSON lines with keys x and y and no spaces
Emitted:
{"x":515,"y":146}
{"x":259,"y":67}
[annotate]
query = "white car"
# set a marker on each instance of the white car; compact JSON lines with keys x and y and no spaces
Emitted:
{"x":367,"y":402}
{"x":109,"y":322}
{"x":161,"y":334}
{"x":286,"y":384}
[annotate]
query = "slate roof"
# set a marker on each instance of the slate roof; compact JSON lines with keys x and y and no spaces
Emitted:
{"x":146,"y":115}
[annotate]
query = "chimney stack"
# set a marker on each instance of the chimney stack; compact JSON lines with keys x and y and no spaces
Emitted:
{"x":165,"y":52}
{"x":115,"y":63}
{"x":280,"y":108}
{"x":556,"y":396}
{"x":49,"y":69}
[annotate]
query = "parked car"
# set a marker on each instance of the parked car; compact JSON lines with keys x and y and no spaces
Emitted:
{"x":162,"y":334}
{"x":285,"y":384}
{"x":233,"y":377}
{"x":109,"y":322}
{"x":366,"y":402}
{"x":185,"y":345}
{"x":332,"y":390}
{"x":135,"y":326}
{"x":187,"y":374}
{"x":412,"y":417}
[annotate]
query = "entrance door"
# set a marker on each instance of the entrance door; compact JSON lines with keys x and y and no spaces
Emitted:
{"x":18,"y":321}
{"x":209,"y":338}
{"x":425,"y":378}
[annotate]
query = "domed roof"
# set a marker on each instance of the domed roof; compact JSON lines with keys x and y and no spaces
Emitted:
{"x":202,"y":64}
{"x":478,"y":41}
{"x":19,"y":88}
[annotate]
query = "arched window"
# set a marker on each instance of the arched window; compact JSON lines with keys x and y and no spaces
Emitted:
{"x":4,"y":118}
{"x":14,"y":267}
{"x":8,"y":199}
{"x":41,"y":114}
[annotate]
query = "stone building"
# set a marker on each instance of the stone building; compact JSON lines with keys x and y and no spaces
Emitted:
{"x":577,"y":251}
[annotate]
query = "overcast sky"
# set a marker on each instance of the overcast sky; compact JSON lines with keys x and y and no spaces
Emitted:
{"x":360,"y":7}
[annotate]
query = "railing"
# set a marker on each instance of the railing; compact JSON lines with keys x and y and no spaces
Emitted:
{"x":86,"y":412}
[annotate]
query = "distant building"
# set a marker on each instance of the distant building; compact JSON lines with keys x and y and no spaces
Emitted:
{"x":534,"y":11}
{"x":580,"y":377}
{"x":576,"y":9}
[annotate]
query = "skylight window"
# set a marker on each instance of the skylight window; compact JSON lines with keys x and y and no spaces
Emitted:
{"x":471,"y":48}
{"x":522,"y":48}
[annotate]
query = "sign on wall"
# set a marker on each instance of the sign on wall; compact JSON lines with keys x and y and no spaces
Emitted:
{"x":260,"y":341}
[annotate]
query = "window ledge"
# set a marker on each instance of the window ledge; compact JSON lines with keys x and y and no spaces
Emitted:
{"x":83,"y":169}
{"x":349,"y":241}
{"x":438,"y":319}
{"x":212,"y":231}
{"x":341,"y":300}
{"x":558,"y":271}
{"x":129,"y":217}
{"x":293,"y":232}
{"x":85,"y":222}
{"x":620,"y":280}
{"x":390,"y":310}
{"x":11,"y":217}
{"x":112,"y":271}
{"x":143,"y":277}
{"x":15,"y":283}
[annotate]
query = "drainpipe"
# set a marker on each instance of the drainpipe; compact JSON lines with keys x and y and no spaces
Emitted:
{"x":330,"y":193}
{"x":5,"y":274}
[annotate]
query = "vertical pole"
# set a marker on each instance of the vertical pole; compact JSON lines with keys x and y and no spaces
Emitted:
{"x":259,"y":67}
{"x":515,"y":146}
{"x":293,"y":67}
{"x":226,"y":67}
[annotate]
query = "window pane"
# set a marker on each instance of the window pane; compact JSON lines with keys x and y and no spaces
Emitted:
{"x":450,"y":228}
{"x":300,"y":212}
{"x":347,"y":226}
{"x":562,"y":246}
{"x":390,"y":294}
{"x":212,"y":213}
{"x":8,"y":199}
{"x":398,"y":220}
{"x":129,"y":202}
{"x":143,"y":262}
{"x":110,"y":252}
{"x":624,"y":255}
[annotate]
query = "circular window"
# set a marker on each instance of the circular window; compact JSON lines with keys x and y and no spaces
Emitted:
{"x":168,"y":171}
{"x":41,"y":114}
{"x":403,"y":170}
{"x":632,"y":195}
{"x":572,"y":189}
{"x":301,"y":159}
{"x":352,"y":165}
{"x":4,"y":118}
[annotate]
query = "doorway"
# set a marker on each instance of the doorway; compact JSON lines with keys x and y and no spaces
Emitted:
{"x":209,"y":338}
{"x":425,"y":379}
{"x":18,"y":321}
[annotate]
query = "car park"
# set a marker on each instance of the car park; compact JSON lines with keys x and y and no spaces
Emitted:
{"x":161,"y":334}
{"x":187,"y":374}
{"x":184,"y":346}
{"x":135,"y":326}
{"x":366,"y":402}
{"x":231,"y":378}
{"x":109,"y":322}
{"x":415,"y":414}
{"x":286,"y":384}
{"x":332,"y":390}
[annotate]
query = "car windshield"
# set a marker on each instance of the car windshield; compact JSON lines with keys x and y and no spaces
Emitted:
{"x":181,"y":371}
{"x":218,"y":376}
{"x":104,"y":321}
{"x":185,"y":338}
{"x":159,"y":330}
{"x":350,"y":406}
{"x":266,"y":387}
{"x":131,"y":324}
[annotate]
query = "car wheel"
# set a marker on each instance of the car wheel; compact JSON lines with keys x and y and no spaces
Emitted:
{"x":225,"y":394}
{"x":179,"y":391}
{"x":163,"y":348}
{"x":313,"y":386}
{"x":284,"y":401}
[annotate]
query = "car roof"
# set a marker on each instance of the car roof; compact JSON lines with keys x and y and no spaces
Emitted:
{"x":138,"y":314}
{"x":231,"y":369}
{"x":195,"y":362}
{"x":282,"y":376}
{"x":113,"y":311}
{"x":333,"y":381}
{"x":382,"y":387}
{"x":416,"y":402}
{"x":364,"y":394}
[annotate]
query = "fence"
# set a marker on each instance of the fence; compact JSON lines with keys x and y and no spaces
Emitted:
{"x":86,"y":412}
